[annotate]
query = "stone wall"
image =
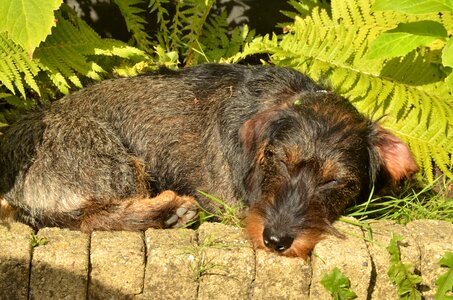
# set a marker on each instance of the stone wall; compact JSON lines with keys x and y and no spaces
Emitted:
{"x":214,"y":262}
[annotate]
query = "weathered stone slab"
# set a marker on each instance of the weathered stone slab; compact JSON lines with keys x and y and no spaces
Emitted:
{"x":381,"y":287}
{"x":60,"y":267}
{"x":226,"y":262}
{"x":434,"y":238}
{"x":350,"y":255}
{"x":279,"y":277}
{"x":15,"y":255}
{"x":170,"y":269}
{"x":117,"y":265}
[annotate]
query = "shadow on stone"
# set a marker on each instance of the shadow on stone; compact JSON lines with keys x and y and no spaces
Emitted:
{"x":16,"y":286}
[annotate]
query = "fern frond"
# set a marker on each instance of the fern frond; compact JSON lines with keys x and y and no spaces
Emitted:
{"x":217,"y":43}
{"x":195,"y":16}
{"x":169,"y":28}
{"x":135,"y":23}
{"x":176,"y":27}
{"x":158,"y":6}
{"x":417,"y":107}
{"x":305,"y":8}
{"x":71,"y":48}
{"x":16,"y":68}
{"x":184,"y":31}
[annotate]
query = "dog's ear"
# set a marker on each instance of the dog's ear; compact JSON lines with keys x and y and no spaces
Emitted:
{"x":391,"y":155}
{"x":255,"y":131}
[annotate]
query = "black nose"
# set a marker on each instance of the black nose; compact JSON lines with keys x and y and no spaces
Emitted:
{"x":276,"y":242}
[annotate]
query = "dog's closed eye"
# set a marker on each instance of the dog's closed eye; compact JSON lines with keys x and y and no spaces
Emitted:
{"x":329,"y":183}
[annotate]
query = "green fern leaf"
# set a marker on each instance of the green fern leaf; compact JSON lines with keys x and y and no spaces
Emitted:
{"x":195,"y":14}
{"x":70,"y":50}
{"x":305,"y":8}
{"x":16,"y":68}
{"x":217,"y":43}
{"x":158,"y":6}
{"x":135,"y":23}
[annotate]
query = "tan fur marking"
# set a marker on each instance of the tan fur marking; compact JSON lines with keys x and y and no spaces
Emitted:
{"x":142,"y":177}
{"x":303,"y":245}
{"x":254,"y":229}
{"x":7,"y":212}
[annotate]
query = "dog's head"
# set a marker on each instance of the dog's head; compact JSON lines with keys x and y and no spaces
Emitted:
{"x":310,"y":159}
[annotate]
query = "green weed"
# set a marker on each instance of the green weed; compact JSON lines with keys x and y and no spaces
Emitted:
{"x":410,"y":205}
{"x":36,"y":240}
{"x":401,"y":274}
{"x":204,"y":264}
{"x":445,"y":281}
{"x":226,"y":214}
{"x":338,"y":285}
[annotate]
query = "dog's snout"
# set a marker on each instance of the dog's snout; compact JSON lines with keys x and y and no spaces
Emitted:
{"x":276,"y":242}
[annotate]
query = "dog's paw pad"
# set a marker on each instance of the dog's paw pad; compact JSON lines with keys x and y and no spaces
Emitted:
{"x":184,"y":214}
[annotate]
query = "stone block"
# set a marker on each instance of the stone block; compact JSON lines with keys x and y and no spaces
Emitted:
{"x":170,"y":268}
{"x":60,"y":267}
{"x":15,"y":255}
{"x":350,"y":255}
{"x":226,"y":262}
{"x":117,"y":265}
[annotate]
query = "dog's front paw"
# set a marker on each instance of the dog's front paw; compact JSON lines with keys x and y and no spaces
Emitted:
{"x":184,"y":212}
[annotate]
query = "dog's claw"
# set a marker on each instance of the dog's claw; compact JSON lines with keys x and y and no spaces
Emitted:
{"x":172,"y":220}
{"x":190,"y":215}
{"x":181,"y":211}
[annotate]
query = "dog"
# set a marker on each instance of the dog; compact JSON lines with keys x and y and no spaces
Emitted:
{"x":131,"y":153}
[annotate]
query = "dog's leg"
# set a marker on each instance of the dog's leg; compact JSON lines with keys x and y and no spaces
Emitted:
{"x":166,"y":210}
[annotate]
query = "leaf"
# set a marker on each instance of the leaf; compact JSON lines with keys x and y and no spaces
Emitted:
{"x":28,"y":22}
{"x":423,"y":28}
{"x":447,"y":54}
{"x":338,"y":285}
{"x":447,"y":61}
{"x":445,"y":281}
{"x":217,"y":42}
{"x":449,"y":82}
{"x":135,"y":23}
{"x":36,"y":240}
{"x":70,"y":49}
{"x":16,"y":68}
{"x":304,"y":8}
{"x":401,"y":274}
{"x":414,"y":6}
{"x":393,"y":44}
{"x":405,"y":38}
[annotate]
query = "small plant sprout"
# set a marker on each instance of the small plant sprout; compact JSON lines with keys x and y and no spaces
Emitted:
{"x":445,"y":281}
{"x":227,"y":214}
{"x":36,"y":240}
{"x":401,"y":274}
{"x":338,"y":285}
